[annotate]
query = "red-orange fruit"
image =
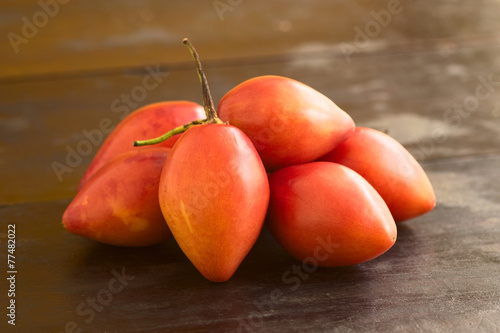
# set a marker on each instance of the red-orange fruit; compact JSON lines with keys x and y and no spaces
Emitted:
{"x":390,"y":169}
{"x":288,"y":122}
{"x":147,"y":122}
{"x":119,"y":204}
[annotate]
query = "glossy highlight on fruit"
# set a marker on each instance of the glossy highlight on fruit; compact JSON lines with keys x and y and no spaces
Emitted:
{"x":213,"y":190}
{"x":390,"y":169}
{"x":214,"y":196}
{"x":327,"y":213}
{"x":288,"y":121}
{"x":280,"y":153}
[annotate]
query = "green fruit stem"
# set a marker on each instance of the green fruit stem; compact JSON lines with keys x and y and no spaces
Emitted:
{"x":208,"y":105}
{"x":169,"y":134}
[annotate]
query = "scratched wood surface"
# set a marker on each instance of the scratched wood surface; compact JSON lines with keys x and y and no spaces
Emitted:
{"x":426,"y":72}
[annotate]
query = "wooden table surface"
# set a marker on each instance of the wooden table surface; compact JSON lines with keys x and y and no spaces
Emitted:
{"x":428,"y":72}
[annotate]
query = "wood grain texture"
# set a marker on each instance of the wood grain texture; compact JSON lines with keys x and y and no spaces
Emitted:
{"x":428,"y":74}
{"x":443,"y":274}
{"x":426,"y":101}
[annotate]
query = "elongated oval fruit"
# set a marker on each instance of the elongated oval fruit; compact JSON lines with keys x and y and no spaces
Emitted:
{"x":119,"y":203}
{"x":214,"y":196}
{"x":288,"y":121}
{"x":390,"y":169}
{"x":326,"y":214}
{"x":149,"y":121}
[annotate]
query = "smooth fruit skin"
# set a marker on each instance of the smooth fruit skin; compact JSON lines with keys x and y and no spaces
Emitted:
{"x":325,"y":214}
{"x":288,"y":121}
{"x":147,"y":122}
{"x":390,"y":169}
{"x":119,"y":204}
{"x":214,"y":196}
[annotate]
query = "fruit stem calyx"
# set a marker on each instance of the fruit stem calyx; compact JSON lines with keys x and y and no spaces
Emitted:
{"x":208,"y":105}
